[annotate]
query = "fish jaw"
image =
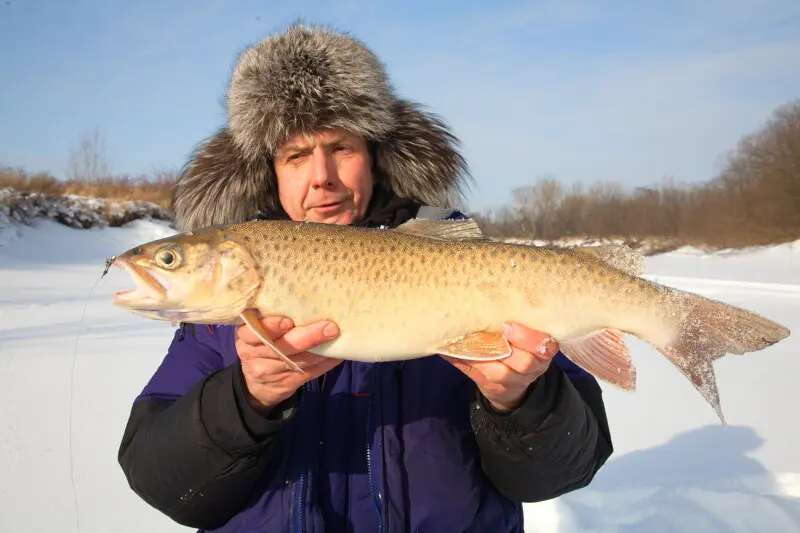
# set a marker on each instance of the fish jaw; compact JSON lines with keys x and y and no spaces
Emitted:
{"x":148,"y":293}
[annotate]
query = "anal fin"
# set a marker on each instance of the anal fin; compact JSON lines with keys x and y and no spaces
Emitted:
{"x":604,"y":355}
{"x":251,"y":319}
{"x":478,"y":346}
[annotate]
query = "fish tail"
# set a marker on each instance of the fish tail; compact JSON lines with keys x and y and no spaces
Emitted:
{"x":708,"y":331}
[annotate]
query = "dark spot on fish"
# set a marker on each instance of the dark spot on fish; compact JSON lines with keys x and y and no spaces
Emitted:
{"x":276,"y":246}
{"x":281,"y":280}
{"x":316,"y":250}
{"x":247,"y":238}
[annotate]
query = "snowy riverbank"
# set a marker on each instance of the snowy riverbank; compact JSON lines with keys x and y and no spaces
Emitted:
{"x":675,"y":468}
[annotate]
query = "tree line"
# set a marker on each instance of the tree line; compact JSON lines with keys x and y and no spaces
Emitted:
{"x":753,"y":200}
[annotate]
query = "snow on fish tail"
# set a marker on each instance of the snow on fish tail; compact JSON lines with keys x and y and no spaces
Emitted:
{"x":709,"y":330}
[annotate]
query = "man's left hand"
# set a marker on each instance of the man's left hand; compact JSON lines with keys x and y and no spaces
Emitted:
{"x":505,"y":382}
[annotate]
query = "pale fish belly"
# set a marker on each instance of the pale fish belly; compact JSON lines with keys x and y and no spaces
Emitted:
{"x":393,"y":318}
{"x":409,"y":322}
{"x":581,"y":304}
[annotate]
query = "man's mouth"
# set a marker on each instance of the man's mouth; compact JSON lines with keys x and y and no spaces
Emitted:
{"x":328,"y":205}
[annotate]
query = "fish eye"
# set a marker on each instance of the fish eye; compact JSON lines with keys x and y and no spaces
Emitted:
{"x":168,"y":256}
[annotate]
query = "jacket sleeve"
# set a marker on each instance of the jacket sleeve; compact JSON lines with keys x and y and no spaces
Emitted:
{"x":553,"y":443}
{"x":193,"y":448}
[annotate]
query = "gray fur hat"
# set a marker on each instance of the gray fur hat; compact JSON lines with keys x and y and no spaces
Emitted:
{"x":304,"y":79}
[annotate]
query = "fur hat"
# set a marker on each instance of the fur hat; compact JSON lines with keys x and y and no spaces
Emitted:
{"x":301,"y":80}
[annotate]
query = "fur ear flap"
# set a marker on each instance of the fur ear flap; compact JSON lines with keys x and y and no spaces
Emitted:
{"x":421,"y":160}
{"x":218,"y":185}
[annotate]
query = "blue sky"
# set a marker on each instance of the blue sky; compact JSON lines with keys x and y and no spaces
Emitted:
{"x":577,"y":90}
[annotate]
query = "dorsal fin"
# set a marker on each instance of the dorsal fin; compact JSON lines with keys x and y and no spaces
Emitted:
{"x":619,"y":256}
{"x":450,"y":230}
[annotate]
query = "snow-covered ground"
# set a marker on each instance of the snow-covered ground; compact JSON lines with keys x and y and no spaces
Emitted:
{"x":675,"y":469}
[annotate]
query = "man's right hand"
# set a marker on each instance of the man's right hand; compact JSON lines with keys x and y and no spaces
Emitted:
{"x":267,"y":378}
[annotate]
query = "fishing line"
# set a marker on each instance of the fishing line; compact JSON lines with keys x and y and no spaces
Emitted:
{"x":72,"y":389}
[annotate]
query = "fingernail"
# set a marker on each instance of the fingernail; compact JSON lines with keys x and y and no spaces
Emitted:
{"x":508,"y":329}
{"x":331,"y":330}
{"x":285,"y":324}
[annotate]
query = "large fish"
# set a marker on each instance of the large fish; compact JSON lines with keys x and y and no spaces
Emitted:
{"x":437,"y":287}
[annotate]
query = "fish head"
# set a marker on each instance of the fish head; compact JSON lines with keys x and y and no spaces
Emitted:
{"x":201,"y":277}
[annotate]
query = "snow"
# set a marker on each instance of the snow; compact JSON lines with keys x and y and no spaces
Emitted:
{"x":675,"y":468}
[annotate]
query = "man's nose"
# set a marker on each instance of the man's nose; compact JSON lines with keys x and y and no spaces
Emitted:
{"x":324,"y":169}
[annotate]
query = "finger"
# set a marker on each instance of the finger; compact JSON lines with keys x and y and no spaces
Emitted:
{"x":274,"y":326}
{"x":529,"y":340}
{"x":303,"y":338}
{"x":271,"y":369}
{"x":469,"y":368}
{"x":320,"y":367}
{"x":526,"y":363}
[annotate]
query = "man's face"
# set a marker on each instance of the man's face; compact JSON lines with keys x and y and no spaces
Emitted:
{"x":326,"y":177}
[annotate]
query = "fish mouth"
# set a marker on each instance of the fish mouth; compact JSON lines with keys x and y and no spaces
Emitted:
{"x":149,"y":289}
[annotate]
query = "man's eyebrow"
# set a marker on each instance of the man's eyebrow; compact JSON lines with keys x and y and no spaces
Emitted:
{"x":296,"y":147}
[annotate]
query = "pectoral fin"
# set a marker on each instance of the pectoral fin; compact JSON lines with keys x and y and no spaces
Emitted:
{"x":251,"y":319}
{"x":604,"y":355}
{"x":478,"y":346}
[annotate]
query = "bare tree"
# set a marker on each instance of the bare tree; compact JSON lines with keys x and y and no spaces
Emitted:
{"x":87,"y":161}
{"x":538,"y":206}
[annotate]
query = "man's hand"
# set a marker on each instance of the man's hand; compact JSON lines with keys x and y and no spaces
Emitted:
{"x":505,"y":382}
{"x":268,"y":379}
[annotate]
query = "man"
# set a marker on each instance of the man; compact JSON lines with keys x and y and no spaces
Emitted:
{"x":226,"y":437}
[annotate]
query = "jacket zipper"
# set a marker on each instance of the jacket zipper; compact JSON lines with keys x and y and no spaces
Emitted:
{"x":300,"y":489}
{"x":370,"y":471}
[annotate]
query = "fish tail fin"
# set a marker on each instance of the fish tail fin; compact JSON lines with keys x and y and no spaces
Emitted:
{"x":708,"y":331}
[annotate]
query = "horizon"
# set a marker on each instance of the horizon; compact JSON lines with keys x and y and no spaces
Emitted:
{"x":579,"y":91}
